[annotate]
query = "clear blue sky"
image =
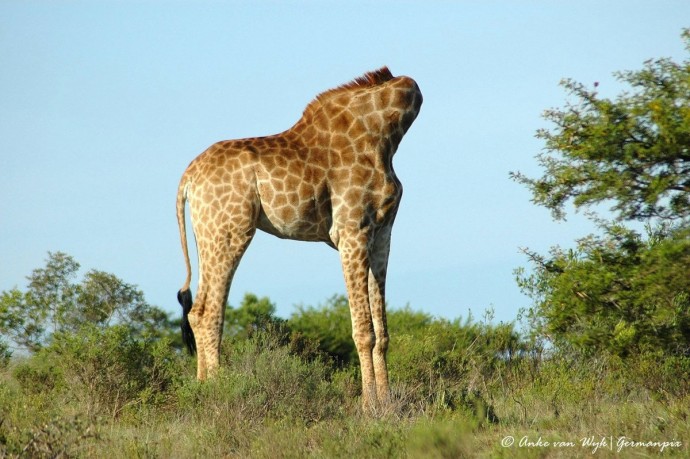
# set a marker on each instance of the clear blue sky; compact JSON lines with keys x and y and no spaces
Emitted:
{"x":103,"y":105}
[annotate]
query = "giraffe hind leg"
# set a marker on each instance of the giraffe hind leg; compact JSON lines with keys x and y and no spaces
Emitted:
{"x":219,"y":258}
{"x":185,"y":299}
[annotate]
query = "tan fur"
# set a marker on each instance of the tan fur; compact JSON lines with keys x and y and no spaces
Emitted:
{"x":329,"y":178}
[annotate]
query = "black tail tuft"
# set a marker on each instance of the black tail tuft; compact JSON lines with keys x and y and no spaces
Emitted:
{"x":185,"y":299}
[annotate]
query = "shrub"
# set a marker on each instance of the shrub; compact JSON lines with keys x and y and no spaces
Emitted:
{"x":446,"y":364}
{"x":54,"y":303}
{"x":620,"y":294}
{"x":59,"y":437}
{"x":39,"y":374}
{"x":109,"y":369}
{"x":260,"y":378}
{"x":329,"y":326}
{"x":5,"y":355}
{"x":665,"y":376}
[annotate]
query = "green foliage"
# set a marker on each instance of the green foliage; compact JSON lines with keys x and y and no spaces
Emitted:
{"x":59,"y":437}
{"x":633,"y":150}
{"x":665,"y":377}
{"x":253,"y":315}
{"x":435,"y":362}
{"x":54,"y":303}
{"x":28,"y":318}
{"x":40,"y":374}
{"x":445,"y":363}
{"x":620,"y":294}
{"x":329,"y":326}
{"x":5,"y":355}
{"x":105,"y":392}
{"x":53,"y":401}
{"x":406,"y":320}
{"x":262,"y":378}
{"x":110,"y":367}
{"x":350,"y":438}
{"x":104,"y":299}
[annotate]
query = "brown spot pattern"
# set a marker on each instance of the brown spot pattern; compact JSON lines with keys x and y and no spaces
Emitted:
{"x":329,"y":178}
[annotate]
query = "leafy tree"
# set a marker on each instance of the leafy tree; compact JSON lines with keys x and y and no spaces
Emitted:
{"x":253,"y":314}
{"x":54,"y":303}
{"x":633,"y":151}
{"x":104,"y":299}
{"x":620,"y":293}
{"x":29,"y":317}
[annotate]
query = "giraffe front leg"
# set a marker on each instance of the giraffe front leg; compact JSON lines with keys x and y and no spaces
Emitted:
{"x":354,"y":259}
{"x":378,"y":260}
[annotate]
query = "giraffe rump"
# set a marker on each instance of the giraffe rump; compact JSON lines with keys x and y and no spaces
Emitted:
{"x":185,"y":299}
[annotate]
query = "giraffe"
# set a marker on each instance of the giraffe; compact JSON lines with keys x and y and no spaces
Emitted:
{"x":329,"y":178}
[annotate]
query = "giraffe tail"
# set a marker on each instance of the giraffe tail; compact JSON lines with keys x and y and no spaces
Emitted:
{"x":184,"y":296}
{"x":185,"y":299}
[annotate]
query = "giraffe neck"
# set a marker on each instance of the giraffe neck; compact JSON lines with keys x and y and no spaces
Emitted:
{"x":366,"y":119}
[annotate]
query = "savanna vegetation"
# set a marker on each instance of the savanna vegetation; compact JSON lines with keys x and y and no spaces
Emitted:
{"x":598,"y":364}
{"x":92,"y":387}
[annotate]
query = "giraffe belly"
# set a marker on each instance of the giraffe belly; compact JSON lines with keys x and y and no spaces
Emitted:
{"x":292,"y":224}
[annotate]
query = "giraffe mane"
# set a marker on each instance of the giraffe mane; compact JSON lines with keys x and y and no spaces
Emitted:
{"x":373,"y":78}
{"x":368,"y":80}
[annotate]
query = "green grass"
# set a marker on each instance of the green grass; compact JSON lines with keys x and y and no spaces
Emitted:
{"x":268,"y":402}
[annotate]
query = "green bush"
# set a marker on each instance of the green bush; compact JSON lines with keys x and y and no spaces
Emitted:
{"x":260,"y":378}
{"x":53,"y":303}
{"x":620,"y":294}
{"x":253,"y":314}
{"x":445,"y":364}
{"x":666,"y":377}
{"x":59,"y":437}
{"x":108,"y":368}
{"x":108,"y":393}
{"x":329,"y":326}
{"x":40,"y":374}
{"x":5,"y":355}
